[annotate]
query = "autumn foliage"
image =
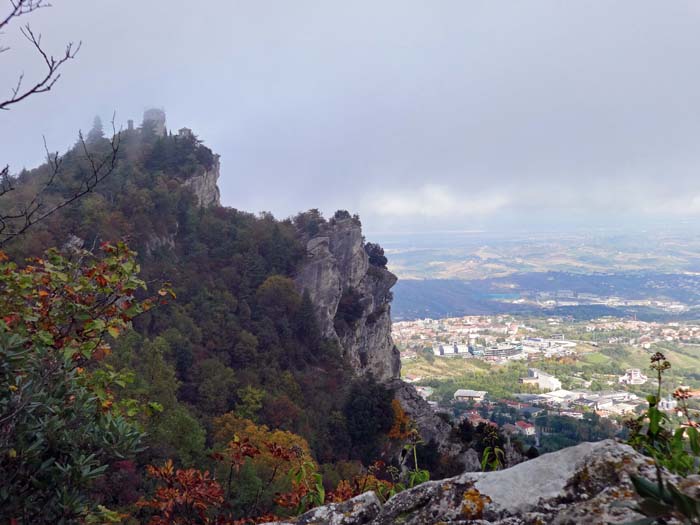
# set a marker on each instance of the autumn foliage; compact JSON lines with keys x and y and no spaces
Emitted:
{"x":57,"y":315}
{"x":186,"y":496}
{"x":401,"y":426}
{"x":234,"y":377}
{"x":268,"y":442}
{"x":192,"y":497}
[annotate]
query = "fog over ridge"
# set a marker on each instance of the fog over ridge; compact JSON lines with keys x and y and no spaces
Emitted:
{"x":417,"y":115}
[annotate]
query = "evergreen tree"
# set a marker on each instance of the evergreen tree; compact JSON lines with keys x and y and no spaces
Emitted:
{"x":369,"y":417}
{"x":158,"y":376}
{"x":307,"y":325}
{"x":96,"y":134}
{"x":376,"y":255}
{"x":216,"y":382}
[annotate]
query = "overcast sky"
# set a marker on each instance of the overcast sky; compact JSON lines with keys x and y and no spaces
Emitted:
{"x":427,"y":114}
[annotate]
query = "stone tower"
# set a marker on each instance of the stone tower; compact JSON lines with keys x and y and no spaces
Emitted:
{"x":156,"y":118}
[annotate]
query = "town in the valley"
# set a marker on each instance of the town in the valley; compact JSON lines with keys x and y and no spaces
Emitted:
{"x":535,"y":377}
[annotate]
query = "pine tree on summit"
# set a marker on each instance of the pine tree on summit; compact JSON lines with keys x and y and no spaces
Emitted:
{"x":376,"y":255}
{"x":96,"y":134}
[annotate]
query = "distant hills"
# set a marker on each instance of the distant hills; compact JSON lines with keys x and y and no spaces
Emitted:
{"x":480,"y":255}
{"x":648,"y":296}
{"x":580,"y":274}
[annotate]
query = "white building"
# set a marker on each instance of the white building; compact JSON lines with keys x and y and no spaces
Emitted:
{"x":633,"y":376}
{"x":543,"y":380}
{"x":451,"y":350}
{"x":469,"y":395}
{"x":668,"y":405}
{"x":527,"y":429}
{"x":560,"y":397}
{"x":622,"y":408}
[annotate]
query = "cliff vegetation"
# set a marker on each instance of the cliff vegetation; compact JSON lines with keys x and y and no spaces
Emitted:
{"x":236,"y":387}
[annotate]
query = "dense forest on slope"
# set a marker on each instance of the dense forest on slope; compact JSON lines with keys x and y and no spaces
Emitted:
{"x":237,"y":353}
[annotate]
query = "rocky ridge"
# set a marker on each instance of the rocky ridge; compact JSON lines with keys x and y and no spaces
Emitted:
{"x":589,"y":483}
{"x":353,"y":305}
{"x":337,"y":272}
{"x":204,"y":185}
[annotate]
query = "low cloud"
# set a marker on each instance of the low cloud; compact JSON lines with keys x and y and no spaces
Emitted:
{"x":435,"y":201}
{"x":679,"y":206}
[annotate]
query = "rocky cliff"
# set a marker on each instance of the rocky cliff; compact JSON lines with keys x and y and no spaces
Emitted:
{"x":353,"y":304}
{"x":589,"y":483}
{"x":203,"y":185}
{"x":430,"y":426}
{"x":352,"y":297}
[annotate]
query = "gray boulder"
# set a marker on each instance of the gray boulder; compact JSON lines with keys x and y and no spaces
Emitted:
{"x":359,"y":510}
{"x":586,"y":484}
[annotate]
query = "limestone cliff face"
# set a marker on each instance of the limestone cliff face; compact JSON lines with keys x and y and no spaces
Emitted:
{"x":353,"y":306}
{"x":352,"y":298}
{"x":203,"y":185}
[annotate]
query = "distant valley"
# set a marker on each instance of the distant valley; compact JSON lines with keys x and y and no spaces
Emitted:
{"x":652,"y":276}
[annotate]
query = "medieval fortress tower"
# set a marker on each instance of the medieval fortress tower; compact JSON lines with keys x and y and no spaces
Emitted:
{"x":155,"y":117}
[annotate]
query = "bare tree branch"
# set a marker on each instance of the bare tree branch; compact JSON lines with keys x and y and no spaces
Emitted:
{"x":22,"y":7}
{"x":15,"y":220}
{"x":19,"y":8}
{"x":51,"y":74}
{"x":15,"y":223}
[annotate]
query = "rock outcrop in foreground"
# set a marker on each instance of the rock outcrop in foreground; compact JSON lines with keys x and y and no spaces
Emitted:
{"x":586,"y":484}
